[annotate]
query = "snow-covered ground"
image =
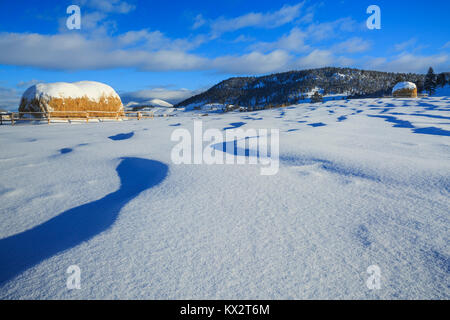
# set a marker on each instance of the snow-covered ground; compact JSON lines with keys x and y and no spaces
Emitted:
{"x":443,"y":91}
{"x":361,"y":182}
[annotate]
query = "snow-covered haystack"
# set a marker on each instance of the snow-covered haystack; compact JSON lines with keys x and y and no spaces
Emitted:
{"x":405,"y":89}
{"x":62,"y":99}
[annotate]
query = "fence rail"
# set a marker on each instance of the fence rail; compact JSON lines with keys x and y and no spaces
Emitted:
{"x":16,"y":117}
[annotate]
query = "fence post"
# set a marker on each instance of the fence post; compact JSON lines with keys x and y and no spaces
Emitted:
{"x":12,"y":118}
{"x":139,"y":116}
{"x":48,"y":118}
{"x":87,"y":116}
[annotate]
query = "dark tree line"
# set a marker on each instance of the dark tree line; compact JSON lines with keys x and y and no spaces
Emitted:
{"x":432,"y":81}
{"x":294,"y":86}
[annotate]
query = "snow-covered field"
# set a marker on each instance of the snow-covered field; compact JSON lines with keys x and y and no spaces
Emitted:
{"x":361,"y":182}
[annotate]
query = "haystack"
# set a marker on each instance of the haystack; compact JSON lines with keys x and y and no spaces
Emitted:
{"x":71,"y":100}
{"x":405,"y":90}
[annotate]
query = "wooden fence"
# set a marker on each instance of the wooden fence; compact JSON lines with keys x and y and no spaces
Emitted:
{"x":57,"y":116}
{"x":419,"y":95}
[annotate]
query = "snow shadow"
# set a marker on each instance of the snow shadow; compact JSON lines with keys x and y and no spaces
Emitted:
{"x":331,"y":167}
{"x":421,"y":115}
{"x":363,"y":235}
{"x":341,"y":118}
{"x":251,"y":118}
{"x":74,"y":226}
{"x":235,"y":125}
{"x":231,"y":147}
{"x":440,"y":260}
{"x":429,"y":106}
{"x":317,"y":124}
{"x":397,"y":122}
{"x":122,"y":136}
{"x":433,"y":131}
{"x":388,"y":107}
{"x":406,"y":124}
{"x":65,"y":150}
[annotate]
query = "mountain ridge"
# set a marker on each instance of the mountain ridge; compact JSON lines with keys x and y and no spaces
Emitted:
{"x":294,"y":86}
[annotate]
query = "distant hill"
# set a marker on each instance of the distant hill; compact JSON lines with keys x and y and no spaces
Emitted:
{"x":295,"y":86}
{"x":153,"y":103}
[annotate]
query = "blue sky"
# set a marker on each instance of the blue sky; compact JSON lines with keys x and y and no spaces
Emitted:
{"x":173,"y":49}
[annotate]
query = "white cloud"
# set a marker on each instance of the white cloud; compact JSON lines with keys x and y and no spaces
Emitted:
{"x":294,"y":42}
{"x":147,"y":50}
{"x":374,"y":63}
{"x":95,"y":16}
{"x":413,"y":63}
{"x":156,"y":40}
{"x":27,"y":84}
{"x":407,"y":62}
{"x":109,"y":6}
{"x":253,"y":63}
{"x":92,"y":20}
{"x":198,"y":22}
{"x":9,"y":99}
{"x":307,"y":18}
{"x":327,"y":30}
{"x":316,"y":59}
{"x":243,"y":38}
{"x":447,"y":45}
{"x":353,"y":45}
{"x":404,"y":45}
{"x":344,"y":62}
{"x":266,"y":20}
{"x":94,"y":23}
{"x":76,"y":52}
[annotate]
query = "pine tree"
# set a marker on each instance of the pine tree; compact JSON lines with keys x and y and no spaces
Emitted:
{"x":441,"y":81}
{"x":430,"y":82}
{"x":399,"y":78}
